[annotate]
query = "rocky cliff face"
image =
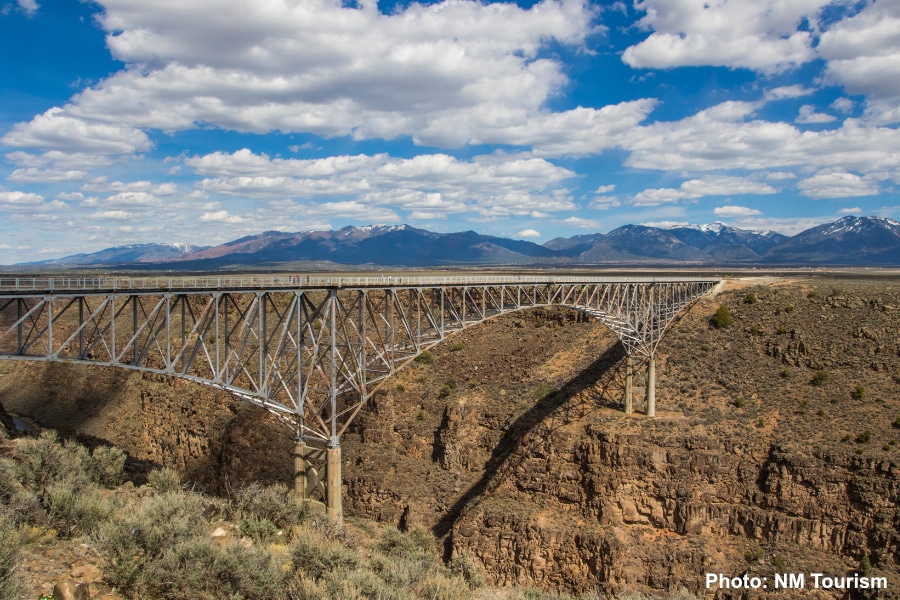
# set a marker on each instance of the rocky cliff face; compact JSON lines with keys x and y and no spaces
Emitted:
{"x":512,"y":445}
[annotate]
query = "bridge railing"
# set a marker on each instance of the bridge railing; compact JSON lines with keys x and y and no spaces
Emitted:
{"x":125,"y":284}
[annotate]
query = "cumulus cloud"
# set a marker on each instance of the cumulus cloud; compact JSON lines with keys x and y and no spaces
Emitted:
{"x":56,"y":129}
{"x":693,"y":189}
{"x":762,"y":35}
{"x":850,"y":211}
{"x":529,"y":233}
{"x":863,"y":55}
{"x":735,"y":211}
{"x":445,"y":73}
{"x":29,"y":7}
{"x":581,"y":223}
{"x":495,"y":185}
{"x":808,"y":115}
{"x":716,"y":138}
{"x":837,"y":184}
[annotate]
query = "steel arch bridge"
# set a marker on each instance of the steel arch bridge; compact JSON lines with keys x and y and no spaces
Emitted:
{"x":311,"y":349}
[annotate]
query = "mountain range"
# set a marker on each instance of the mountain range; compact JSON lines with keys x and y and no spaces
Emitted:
{"x":849,"y":241}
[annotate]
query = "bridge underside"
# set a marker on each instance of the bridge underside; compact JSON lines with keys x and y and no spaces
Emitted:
{"x":313,"y":355}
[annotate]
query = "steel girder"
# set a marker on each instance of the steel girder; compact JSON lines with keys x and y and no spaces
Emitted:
{"x":312,"y":356}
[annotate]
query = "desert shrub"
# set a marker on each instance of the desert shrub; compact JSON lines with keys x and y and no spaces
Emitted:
{"x":896,"y":423}
{"x":401,"y":387}
{"x":164,"y":480}
{"x":865,"y":566}
{"x":10,"y":585}
{"x":462,"y":565}
{"x":315,"y":557}
{"x":787,"y":373}
{"x":447,"y":388}
{"x":417,"y":541}
{"x":819,"y":378}
{"x":130,"y":543}
{"x":858,"y":393}
{"x":43,"y":461}
{"x":199,"y":568}
{"x":751,"y":298}
{"x":106,"y":465}
{"x":260,"y":530}
{"x":722,"y":319}
{"x":276,"y":504}
{"x":457,"y":346}
{"x":426,"y":358}
{"x":863,"y":437}
{"x":76,"y":510}
{"x":781,"y":330}
{"x":9,"y":480}
{"x":739,"y":403}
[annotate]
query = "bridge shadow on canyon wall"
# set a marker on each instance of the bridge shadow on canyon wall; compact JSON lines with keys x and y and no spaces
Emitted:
{"x":600,"y":385}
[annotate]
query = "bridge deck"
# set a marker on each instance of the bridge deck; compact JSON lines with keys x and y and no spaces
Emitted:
{"x":101,"y":285}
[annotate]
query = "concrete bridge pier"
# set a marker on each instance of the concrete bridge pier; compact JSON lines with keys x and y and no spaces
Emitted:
{"x":333,"y":506}
{"x":311,"y":480}
{"x":641,"y":384}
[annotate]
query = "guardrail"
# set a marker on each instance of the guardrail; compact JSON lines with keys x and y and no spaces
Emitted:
{"x":106,"y":284}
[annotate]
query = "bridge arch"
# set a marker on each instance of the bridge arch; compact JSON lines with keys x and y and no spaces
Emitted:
{"x":310,"y":349}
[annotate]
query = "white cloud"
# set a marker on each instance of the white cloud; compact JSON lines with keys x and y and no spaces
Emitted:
{"x":762,"y":35}
{"x":582,"y":223}
{"x":445,"y":73}
{"x":808,"y":114}
{"x":837,"y":184}
{"x":529,"y":233}
{"x":787,"y":91}
{"x":735,"y":211}
{"x":20,"y":199}
{"x":101,"y":184}
{"x":711,"y":185}
{"x":33,"y":175}
{"x":844,"y":105}
{"x":605,"y":189}
{"x":850,"y":211}
{"x":220,"y":216}
{"x":496,"y":185}
{"x":605,"y":202}
{"x":863,"y":54}
{"x":30,"y":7}
{"x":711,"y":140}
{"x":665,"y":224}
{"x":56,"y":129}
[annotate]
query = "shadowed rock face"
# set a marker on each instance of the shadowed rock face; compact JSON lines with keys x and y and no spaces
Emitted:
{"x":512,"y":447}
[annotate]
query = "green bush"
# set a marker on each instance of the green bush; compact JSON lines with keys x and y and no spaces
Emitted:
{"x":786,"y":373}
{"x":858,"y":393}
{"x":131,"y":542}
{"x":462,"y":565}
{"x":315,"y":556}
{"x":819,"y":378}
{"x":197,"y":568}
{"x":164,"y":480}
{"x":11,"y":586}
{"x":457,"y":346}
{"x":426,"y":358}
{"x":43,"y":461}
{"x":76,"y":510}
{"x":864,"y":437}
{"x":722,"y":319}
{"x":750,"y":298}
{"x":275,"y":504}
{"x":106,"y":465}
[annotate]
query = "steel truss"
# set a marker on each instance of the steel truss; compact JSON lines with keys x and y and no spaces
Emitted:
{"x":311,"y":355}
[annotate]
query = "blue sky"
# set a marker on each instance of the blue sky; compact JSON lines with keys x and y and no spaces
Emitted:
{"x":127,"y":121}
